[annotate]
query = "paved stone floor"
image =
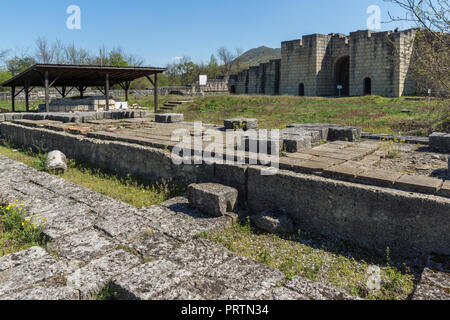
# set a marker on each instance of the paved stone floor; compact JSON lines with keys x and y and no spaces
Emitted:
{"x":149,"y":253}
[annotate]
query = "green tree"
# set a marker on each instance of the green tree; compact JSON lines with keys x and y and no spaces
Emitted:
{"x":18,"y":64}
{"x":4,"y":75}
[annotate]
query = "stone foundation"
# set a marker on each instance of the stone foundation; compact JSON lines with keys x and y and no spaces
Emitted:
{"x":410,"y":224}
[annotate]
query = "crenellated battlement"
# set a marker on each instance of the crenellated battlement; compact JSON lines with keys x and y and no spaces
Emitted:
{"x":363,"y":62}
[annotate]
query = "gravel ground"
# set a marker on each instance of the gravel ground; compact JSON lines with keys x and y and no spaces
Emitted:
{"x":415,"y":160}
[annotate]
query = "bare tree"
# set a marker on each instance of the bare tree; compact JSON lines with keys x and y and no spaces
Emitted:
{"x":430,"y":52}
{"x":45,"y":53}
{"x":431,"y":47}
{"x":3,"y":54}
{"x":74,"y":55}
{"x":227,"y":58}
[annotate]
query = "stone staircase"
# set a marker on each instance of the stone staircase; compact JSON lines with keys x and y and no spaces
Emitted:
{"x":171,"y":105}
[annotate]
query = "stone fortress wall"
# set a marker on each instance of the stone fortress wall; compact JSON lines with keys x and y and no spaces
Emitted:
{"x":365,"y":62}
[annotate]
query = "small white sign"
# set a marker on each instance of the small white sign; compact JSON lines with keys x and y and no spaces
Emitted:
{"x":339,"y":87}
{"x":203,"y":79}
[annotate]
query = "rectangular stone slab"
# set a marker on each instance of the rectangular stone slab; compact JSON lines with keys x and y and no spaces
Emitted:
{"x":343,"y":171}
{"x":379,"y":177}
{"x":419,"y":183}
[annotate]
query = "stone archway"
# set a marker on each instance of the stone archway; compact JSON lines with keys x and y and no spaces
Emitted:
{"x":301,"y":89}
{"x":367,"y":86}
{"x":342,"y":75}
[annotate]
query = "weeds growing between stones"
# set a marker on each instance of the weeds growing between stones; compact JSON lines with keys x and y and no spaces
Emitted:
{"x":18,"y":229}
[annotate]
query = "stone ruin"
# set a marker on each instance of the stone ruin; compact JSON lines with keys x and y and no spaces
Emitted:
{"x":372,"y":208}
{"x":87,"y":104}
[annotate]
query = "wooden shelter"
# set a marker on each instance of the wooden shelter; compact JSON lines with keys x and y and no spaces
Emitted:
{"x":65,"y":78}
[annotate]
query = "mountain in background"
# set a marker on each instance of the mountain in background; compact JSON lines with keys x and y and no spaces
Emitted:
{"x":254,"y":57}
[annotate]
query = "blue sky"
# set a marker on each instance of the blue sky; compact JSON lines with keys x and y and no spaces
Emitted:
{"x":159,"y":30}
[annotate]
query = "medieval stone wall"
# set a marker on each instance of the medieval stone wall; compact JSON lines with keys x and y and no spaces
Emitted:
{"x":365,"y":62}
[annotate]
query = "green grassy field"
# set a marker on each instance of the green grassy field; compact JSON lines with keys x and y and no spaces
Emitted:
{"x":372,"y":113}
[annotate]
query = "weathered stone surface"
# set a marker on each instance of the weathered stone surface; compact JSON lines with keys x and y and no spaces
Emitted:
{"x":153,"y":245}
{"x":413,"y":224}
{"x":245,"y":278}
{"x":14,"y":259}
{"x":445,"y":189}
{"x":274,"y":222}
{"x":212,"y":199}
{"x":169,"y":117}
{"x":148,"y":281}
{"x":56,"y":160}
{"x":45,"y":293}
{"x":419,"y":183}
{"x":91,"y":279}
{"x":295,"y":144}
{"x":317,"y":127}
{"x":440,"y":141}
{"x":380,"y":177}
{"x":240,"y":123}
{"x":310,"y":290}
{"x":29,"y":273}
{"x":344,"y":170}
{"x":434,"y":285}
{"x":82,"y":247}
{"x":123,"y":226}
{"x":200,"y":255}
{"x":182,"y":222}
{"x":65,"y":225}
{"x":344,"y":133}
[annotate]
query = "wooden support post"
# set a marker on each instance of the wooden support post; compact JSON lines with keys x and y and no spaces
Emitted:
{"x":47,"y":102}
{"x":107,"y":92}
{"x":27,"y":100}
{"x":127,"y":87}
{"x":81,"y":90}
{"x":13,"y":98}
{"x":63,"y":91}
{"x":155,"y":93}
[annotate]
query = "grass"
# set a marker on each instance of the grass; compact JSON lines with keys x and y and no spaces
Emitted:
{"x":19,"y":230}
{"x":373,"y":113}
{"x":20,"y":105}
{"x":339,"y":264}
{"x":129,"y":189}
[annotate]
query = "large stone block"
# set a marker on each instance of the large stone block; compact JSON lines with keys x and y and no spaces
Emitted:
{"x":344,"y":133}
{"x":439,"y":141}
{"x":321,"y":129}
{"x":169,"y":117}
{"x":212,"y":199}
{"x":240,"y":123}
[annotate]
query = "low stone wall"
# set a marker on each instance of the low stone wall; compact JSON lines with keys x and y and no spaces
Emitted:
{"x":410,"y":224}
